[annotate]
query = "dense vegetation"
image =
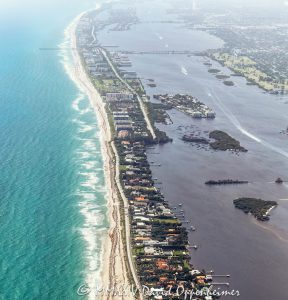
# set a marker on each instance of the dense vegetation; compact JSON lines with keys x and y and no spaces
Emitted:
{"x":257,"y":207}
{"x":228,"y":82}
{"x":224,"y":141}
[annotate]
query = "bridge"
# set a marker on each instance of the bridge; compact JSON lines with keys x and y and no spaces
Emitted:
{"x":166,"y":52}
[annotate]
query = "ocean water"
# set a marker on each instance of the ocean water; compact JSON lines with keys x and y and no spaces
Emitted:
{"x":52,"y":186}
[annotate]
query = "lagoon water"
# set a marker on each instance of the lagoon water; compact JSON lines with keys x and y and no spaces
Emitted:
{"x":52,"y":189}
{"x":230,"y":242}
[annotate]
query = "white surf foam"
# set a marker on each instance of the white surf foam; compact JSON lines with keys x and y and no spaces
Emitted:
{"x":86,"y":128}
{"x":90,"y":145}
{"x":89,"y":165}
{"x":92,"y":232}
{"x":87,"y":196}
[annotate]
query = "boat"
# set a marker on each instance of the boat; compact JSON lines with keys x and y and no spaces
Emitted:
{"x":279,"y":180}
{"x":192,"y":228}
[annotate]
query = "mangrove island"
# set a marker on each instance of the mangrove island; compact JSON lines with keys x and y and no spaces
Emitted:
{"x":257,"y":207}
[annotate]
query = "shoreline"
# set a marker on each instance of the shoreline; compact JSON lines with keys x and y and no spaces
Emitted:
{"x":113,"y":269}
{"x":236,"y":73}
{"x":269,"y":210}
{"x":210,"y":264}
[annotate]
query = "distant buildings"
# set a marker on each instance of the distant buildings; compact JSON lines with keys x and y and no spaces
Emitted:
{"x":160,"y":245}
{"x":129,"y":74}
{"x":114,"y":97}
{"x":187,"y":104}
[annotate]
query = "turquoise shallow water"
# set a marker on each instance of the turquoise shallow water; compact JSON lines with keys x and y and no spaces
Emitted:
{"x":52,"y":189}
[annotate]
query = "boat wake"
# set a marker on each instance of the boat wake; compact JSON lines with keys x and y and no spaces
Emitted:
{"x":227,"y":112}
{"x":159,"y":36}
{"x":184,"y":71}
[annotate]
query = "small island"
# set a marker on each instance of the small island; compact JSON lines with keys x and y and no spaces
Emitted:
{"x":257,"y":207}
{"x":194,"y":139}
{"x":188,"y":105}
{"x":226,"y":181}
{"x":224,"y":141}
{"x":279,"y":180}
{"x":222,"y":76}
{"x":228,"y":82}
{"x":214,"y":71}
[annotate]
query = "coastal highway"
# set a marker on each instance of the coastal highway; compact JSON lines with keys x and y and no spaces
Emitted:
{"x":127,"y":223}
{"x":118,"y":182}
{"x":149,"y":125}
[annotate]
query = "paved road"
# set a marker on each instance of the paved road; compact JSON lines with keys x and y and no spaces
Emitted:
{"x":127,"y":223}
{"x":149,"y":126}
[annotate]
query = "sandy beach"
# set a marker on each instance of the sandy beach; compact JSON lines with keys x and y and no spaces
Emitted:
{"x":114,"y":269}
